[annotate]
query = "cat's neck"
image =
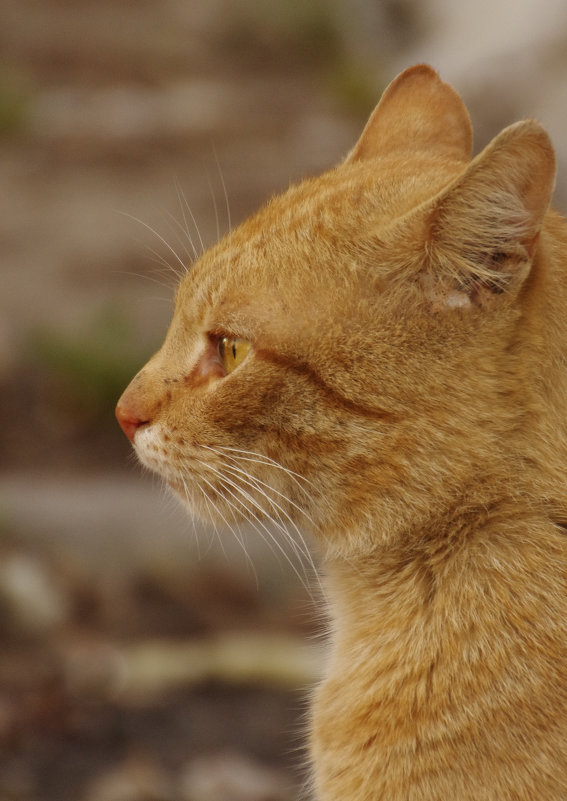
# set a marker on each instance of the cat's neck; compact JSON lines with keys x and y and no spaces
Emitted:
{"x":403,"y":606}
{"x":432,"y":645}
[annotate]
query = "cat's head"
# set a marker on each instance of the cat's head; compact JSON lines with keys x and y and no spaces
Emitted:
{"x":339,"y":357}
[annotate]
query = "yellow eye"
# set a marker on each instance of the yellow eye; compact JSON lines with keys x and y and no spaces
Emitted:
{"x":232,"y":352}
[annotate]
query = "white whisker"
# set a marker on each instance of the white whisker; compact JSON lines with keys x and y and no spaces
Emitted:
{"x":158,"y":258}
{"x":182,"y":203}
{"x":299,"y":550}
{"x":259,"y":484}
{"x":247,"y":490}
{"x":187,"y":497}
{"x":221,"y":176}
{"x":256,"y":483}
{"x":159,"y":236}
{"x":209,"y":503}
{"x":217,"y":221}
{"x":272,"y":489}
{"x":261,"y":458}
{"x":151,"y":278}
{"x":181,"y":195}
{"x":251,"y":516}
{"x":231,"y":528}
{"x":190,"y":251}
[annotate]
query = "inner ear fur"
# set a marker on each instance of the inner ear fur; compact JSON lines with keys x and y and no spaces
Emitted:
{"x":417,"y":112}
{"x":483,"y":229}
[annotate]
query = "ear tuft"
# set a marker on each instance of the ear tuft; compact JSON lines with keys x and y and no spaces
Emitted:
{"x":484,"y":228}
{"x":417,"y":112}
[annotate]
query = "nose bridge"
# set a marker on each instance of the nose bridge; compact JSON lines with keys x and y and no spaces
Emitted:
{"x":141,"y":400}
{"x":145,"y":393}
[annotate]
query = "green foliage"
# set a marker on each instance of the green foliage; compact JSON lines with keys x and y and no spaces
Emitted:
{"x":305,"y":32}
{"x":14,"y":104}
{"x":355,"y":87}
{"x":309,"y":26}
{"x":291,"y":30}
{"x":88,"y":370}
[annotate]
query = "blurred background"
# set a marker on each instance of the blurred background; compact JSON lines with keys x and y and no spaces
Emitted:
{"x":142,"y":657}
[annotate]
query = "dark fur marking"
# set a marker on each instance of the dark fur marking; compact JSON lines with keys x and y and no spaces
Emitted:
{"x":332,"y":395}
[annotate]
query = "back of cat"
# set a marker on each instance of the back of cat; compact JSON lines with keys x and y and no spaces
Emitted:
{"x":378,"y":356}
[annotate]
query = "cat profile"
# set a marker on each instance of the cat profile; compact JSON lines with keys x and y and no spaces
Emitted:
{"x":379,"y":355}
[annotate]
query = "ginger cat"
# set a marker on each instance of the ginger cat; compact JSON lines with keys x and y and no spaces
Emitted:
{"x":382,"y":350}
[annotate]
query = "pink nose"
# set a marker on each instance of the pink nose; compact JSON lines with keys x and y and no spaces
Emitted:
{"x":139,"y":403}
{"x":129,"y":422}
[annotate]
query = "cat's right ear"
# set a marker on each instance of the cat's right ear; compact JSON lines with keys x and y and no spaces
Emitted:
{"x":476,"y":241}
{"x":417,"y":112}
{"x":483,"y":230}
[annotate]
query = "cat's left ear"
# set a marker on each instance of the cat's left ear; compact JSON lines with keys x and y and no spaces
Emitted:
{"x":482,"y":231}
{"x":418,"y":112}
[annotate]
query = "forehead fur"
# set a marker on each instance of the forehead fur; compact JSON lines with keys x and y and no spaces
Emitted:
{"x":314,"y":238}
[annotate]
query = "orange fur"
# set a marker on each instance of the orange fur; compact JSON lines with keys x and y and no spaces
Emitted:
{"x":406,"y":389}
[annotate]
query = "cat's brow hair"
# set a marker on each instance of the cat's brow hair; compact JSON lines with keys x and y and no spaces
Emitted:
{"x":330,"y":393}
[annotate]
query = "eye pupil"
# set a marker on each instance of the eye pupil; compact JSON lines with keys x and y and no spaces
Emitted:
{"x":232,"y":351}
